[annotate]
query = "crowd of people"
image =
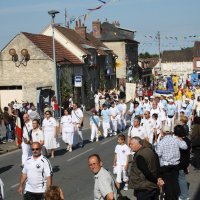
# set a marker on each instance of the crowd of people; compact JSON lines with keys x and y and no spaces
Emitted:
{"x":163,"y":132}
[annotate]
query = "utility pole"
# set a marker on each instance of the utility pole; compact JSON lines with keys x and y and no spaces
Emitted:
{"x":65,"y":17}
{"x":159,"y":53}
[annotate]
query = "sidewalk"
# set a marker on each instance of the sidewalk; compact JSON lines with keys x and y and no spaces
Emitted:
{"x":11,"y":146}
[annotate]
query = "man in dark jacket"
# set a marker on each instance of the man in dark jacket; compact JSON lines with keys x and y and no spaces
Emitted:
{"x":179,"y":131}
{"x":144,"y":174}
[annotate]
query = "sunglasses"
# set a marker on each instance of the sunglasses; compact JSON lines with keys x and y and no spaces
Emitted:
{"x":36,"y":149}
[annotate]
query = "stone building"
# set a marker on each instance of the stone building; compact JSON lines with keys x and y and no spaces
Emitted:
{"x":22,"y":83}
{"x":122,"y":42}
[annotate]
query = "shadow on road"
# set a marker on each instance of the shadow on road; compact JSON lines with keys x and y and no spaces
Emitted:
{"x":197,"y":194}
{"x":4,"y":169}
{"x":60,"y":152}
{"x":56,"y":168}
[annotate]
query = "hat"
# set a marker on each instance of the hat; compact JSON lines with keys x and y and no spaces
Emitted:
{"x":171,"y":100}
{"x":166,"y":129}
{"x":184,"y":105}
{"x":151,"y":97}
{"x":187,"y":99}
{"x":146,"y":98}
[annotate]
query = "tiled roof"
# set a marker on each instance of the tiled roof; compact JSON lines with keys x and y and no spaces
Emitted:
{"x":152,"y":62}
{"x":74,"y":37}
{"x":185,"y":55}
{"x":196,"y":50}
{"x":111,"y":32}
{"x":45,"y":43}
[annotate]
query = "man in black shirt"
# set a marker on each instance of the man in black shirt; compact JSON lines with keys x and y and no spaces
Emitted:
{"x":144,"y":174}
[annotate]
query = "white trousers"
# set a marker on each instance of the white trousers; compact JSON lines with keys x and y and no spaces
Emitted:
{"x":114,"y":125}
{"x":79,"y":131}
{"x":123,"y":122}
{"x":170,"y":123}
{"x":121,"y":174}
{"x":94,"y":132}
{"x":26,"y":152}
{"x":106,"y":126}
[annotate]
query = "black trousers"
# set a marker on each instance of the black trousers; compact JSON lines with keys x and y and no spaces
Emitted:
{"x":147,"y":194}
{"x":33,"y":196}
{"x":170,"y":176}
{"x":196,"y":159}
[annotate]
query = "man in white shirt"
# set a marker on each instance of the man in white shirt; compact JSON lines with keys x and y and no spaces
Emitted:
{"x":148,"y":124}
{"x":37,"y":135}
{"x":113,"y":112}
{"x":77,"y":118}
{"x":26,"y":152}
{"x":36,"y":175}
{"x":136,"y":130}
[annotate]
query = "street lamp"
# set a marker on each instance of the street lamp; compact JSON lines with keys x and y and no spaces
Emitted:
{"x":53,"y":14}
{"x":18,"y":61}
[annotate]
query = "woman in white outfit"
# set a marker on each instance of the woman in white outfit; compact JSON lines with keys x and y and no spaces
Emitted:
{"x":50,"y":135}
{"x":67,"y":129}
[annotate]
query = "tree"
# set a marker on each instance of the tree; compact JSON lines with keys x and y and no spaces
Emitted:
{"x":147,"y":55}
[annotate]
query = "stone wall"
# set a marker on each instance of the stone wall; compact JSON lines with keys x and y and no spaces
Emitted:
{"x":37,"y":73}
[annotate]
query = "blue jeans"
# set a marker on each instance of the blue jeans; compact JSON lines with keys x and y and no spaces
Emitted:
{"x":183,"y":185}
{"x":9,"y":132}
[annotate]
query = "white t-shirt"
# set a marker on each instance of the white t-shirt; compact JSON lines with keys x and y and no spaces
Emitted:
{"x":113,"y":112}
{"x":137,"y":131}
{"x":67,"y":123}
{"x":77,"y":115}
{"x":49,"y":124}
{"x":149,"y":125}
{"x":37,"y":135}
{"x":122,"y":152}
{"x":96,"y":99}
{"x":37,"y":172}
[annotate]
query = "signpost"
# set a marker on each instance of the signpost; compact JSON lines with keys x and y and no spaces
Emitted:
{"x":78,"y":81}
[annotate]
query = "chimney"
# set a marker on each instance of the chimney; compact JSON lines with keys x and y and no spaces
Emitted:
{"x":96,"y":29}
{"x":80,"y":29}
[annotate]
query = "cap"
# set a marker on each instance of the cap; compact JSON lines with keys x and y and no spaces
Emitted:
{"x":146,"y":98}
{"x":166,"y":129}
{"x":187,"y":99}
{"x":184,"y":105}
{"x":171,"y":100}
{"x":151,"y":97}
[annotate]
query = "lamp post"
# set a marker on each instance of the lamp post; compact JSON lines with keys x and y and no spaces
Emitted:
{"x":53,"y":14}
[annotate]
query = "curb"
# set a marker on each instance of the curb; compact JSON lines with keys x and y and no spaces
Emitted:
{"x":8,"y":150}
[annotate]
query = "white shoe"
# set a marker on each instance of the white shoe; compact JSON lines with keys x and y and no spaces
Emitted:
{"x":70,"y":149}
{"x":97,"y":139}
{"x":125,"y":187}
{"x":115,"y":133}
{"x":91,"y":141}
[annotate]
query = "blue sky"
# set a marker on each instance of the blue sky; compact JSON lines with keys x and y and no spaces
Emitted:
{"x":178,"y":19}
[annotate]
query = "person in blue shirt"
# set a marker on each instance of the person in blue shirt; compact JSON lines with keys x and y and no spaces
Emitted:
{"x":94,"y":125}
{"x":171,"y":112}
{"x":188,"y":112}
{"x":137,"y":110}
{"x":105,"y":117}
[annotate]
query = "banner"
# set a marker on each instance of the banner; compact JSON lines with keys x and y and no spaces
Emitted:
{"x":130,"y":91}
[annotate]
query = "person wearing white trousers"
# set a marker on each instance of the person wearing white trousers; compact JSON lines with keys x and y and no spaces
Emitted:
{"x":113,"y":112}
{"x":105,"y":117}
{"x":26,"y":150}
{"x":94,"y":125}
{"x":171,"y":114}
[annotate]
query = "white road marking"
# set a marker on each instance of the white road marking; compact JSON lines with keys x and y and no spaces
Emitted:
{"x":13,"y":186}
{"x":109,"y":140}
{"x":80,"y":154}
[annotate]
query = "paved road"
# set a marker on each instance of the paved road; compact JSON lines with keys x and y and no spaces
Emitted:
{"x":71,"y":171}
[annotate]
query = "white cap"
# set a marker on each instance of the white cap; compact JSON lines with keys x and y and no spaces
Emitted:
{"x":187,"y":99}
{"x":151,"y":97}
{"x":146,"y":98}
{"x":171,"y":100}
{"x":184,"y":105}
